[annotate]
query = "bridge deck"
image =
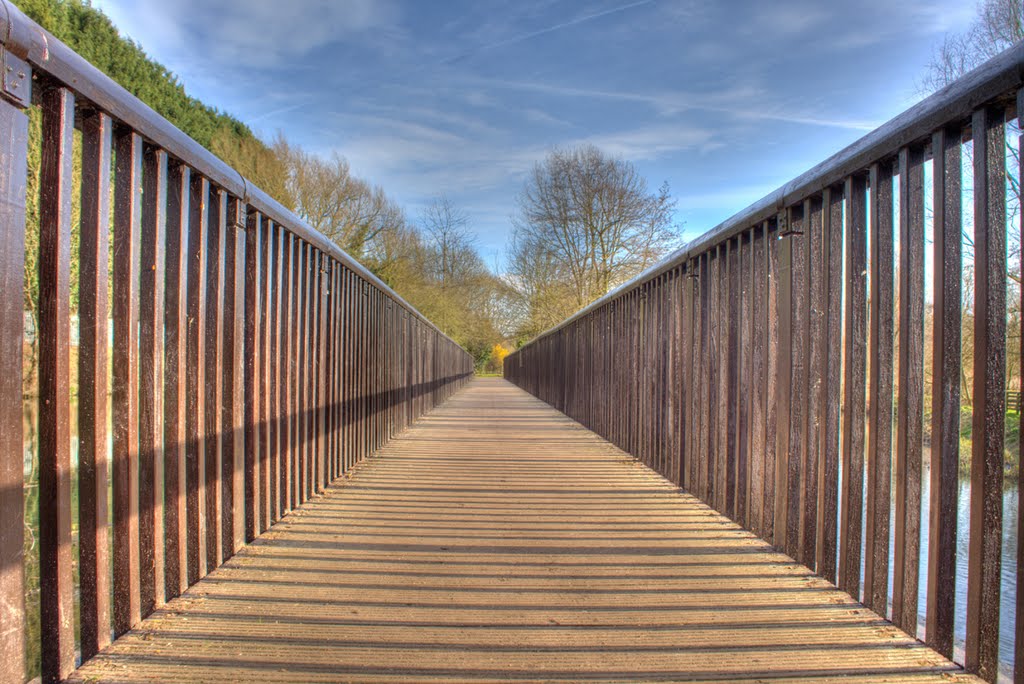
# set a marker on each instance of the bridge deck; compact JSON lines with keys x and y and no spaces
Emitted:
{"x":497,"y":539}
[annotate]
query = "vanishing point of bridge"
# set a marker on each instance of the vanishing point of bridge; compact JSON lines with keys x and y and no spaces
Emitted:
{"x":283,"y":471}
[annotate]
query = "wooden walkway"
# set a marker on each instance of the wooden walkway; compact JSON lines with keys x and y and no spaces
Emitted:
{"x":499,"y":540}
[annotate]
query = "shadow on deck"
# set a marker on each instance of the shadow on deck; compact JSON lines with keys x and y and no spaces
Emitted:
{"x":498,"y":539}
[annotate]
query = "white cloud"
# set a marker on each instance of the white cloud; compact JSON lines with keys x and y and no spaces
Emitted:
{"x":253,"y":33}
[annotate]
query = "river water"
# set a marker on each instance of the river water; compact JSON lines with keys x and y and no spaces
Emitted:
{"x":1009,"y":571}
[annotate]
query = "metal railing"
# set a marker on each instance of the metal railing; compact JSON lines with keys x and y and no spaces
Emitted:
{"x":252,"y":363}
{"x":740,"y":366}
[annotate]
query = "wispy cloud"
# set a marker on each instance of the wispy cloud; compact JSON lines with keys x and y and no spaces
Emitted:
{"x":742,"y":103}
{"x":522,"y":37}
{"x":253,"y":33}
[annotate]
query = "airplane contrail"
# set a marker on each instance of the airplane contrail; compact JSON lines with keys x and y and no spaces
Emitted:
{"x":533,"y":34}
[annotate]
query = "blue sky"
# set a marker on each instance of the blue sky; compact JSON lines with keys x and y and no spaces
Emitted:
{"x":725,"y":100}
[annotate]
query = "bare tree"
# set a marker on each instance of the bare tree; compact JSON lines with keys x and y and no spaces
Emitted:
{"x":586,"y":223}
{"x":999,"y":25}
{"x":453,"y":244}
{"x":343,"y":207}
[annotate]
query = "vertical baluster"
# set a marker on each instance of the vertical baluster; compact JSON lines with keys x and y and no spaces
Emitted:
{"x":307,"y":378}
{"x":745,"y":267}
{"x":946,"y":359}
{"x":832,"y":238}
{"x":330,"y":366}
{"x":13,"y":174}
{"x":267,"y":444}
{"x":287,"y":408}
{"x":910,"y":439}
{"x":854,"y":387}
{"x":714,"y":285}
{"x":232,"y":442}
{"x":175,"y":382}
{"x":361,"y":368}
{"x":339,"y":424}
{"x":56,"y":607}
{"x":214,"y":374}
{"x":93,"y":294}
{"x":758,"y":378}
{"x":308,"y":370}
{"x":984,"y":559}
{"x":125,"y":403}
{"x":772,"y":422}
{"x":663,"y":401}
{"x":720,"y":361}
{"x":687,"y":377}
{"x":880,"y":390}
{"x":1018,"y":661}
{"x":321,"y":370}
{"x":784,"y":375}
{"x":731,"y":317}
{"x":299,"y":356}
{"x":349,"y":356}
{"x":813,"y":239}
{"x":151,"y":353}
{"x":253,"y":313}
{"x":798,"y":443}
{"x":274,"y":424}
{"x":705,"y":447}
{"x":195,"y":393}
{"x":677,"y":373}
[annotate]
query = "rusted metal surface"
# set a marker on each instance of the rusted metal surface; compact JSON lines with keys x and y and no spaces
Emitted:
{"x":14,"y":138}
{"x":878,"y":481}
{"x":1018,"y":669}
{"x":252,"y":374}
{"x":277,"y":433}
{"x":851,"y":494}
{"x":945,"y":436}
{"x":93,"y":294}
{"x":445,"y":560}
{"x":55,"y":605}
{"x":175,"y":349}
{"x":910,"y":438}
{"x":814,"y":235}
{"x":151,"y":364}
{"x":985,"y":552}
{"x":125,"y":378}
{"x":232,"y":411}
{"x":828,"y":469}
{"x":213,"y":376}
{"x":195,"y":386}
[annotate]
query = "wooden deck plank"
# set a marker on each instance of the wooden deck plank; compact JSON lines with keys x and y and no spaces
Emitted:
{"x":497,"y":539}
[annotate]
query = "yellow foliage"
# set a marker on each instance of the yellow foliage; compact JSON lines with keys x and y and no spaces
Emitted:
{"x":498,"y":353}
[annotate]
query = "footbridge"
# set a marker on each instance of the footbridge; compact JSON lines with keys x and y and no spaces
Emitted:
{"x":260,"y":463}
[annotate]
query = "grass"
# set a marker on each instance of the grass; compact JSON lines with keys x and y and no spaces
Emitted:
{"x":1011,"y":444}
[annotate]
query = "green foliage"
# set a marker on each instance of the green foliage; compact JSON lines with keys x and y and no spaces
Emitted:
{"x":89,"y":32}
